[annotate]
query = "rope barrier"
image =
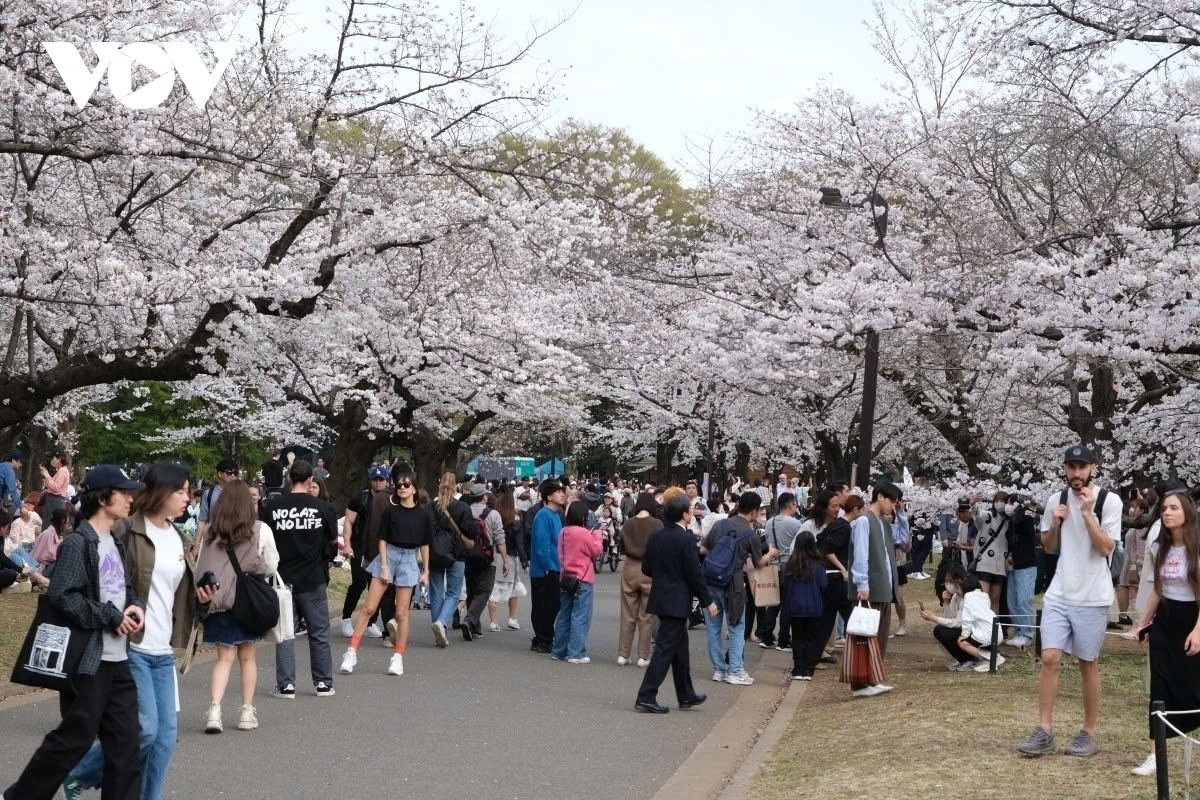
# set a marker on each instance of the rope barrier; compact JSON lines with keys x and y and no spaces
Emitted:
{"x":1162,"y":715}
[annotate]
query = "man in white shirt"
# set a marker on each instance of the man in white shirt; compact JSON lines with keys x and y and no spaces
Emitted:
{"x":1084,"y":531}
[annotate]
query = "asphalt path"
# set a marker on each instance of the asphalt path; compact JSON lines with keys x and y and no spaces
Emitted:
{"x":482,"y":720}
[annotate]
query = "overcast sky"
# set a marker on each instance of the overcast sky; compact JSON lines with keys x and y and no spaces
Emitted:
{"x":665,"y":70}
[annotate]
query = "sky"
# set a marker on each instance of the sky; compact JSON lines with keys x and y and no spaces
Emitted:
{"x":668,"y":71}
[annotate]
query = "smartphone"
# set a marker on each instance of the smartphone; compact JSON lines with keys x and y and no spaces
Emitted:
{"x":920,"y":605}
{"x":208,"y":579}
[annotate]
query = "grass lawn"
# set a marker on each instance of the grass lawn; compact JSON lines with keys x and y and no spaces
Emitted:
{"x":16,"y":613}
{"x":943,"y":734}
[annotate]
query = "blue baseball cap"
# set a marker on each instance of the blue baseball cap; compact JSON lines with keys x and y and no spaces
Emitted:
{"x":109,"y":476}
{"x":379,"y":473}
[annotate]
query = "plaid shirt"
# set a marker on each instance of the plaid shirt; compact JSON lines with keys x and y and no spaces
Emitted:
{"x":75,"y":591}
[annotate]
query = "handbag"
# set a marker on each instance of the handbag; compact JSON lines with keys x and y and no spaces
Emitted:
{"x":53,"y":648}
{"x":286,"y":627}
{"x":568,"y":583}
{"x":862,"y":662}
{"x":764,"y":582}
{"x":255,"y":603}
{"x":864,"y":621}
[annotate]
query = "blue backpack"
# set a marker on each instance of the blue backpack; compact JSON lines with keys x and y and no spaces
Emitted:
{"x":720,"y":565}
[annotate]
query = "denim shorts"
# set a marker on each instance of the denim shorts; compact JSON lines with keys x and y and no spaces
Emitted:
{"x":223,"y":630}
{"x":402,"y":564}
{"x":1077,"y":630}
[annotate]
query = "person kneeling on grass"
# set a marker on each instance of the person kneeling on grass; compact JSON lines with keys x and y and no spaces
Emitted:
{"x":967,"y":632}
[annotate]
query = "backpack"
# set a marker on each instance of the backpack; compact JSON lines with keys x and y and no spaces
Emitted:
{"x":1101,"y":496}
{"x":442,"y":549}
{"x":484,"y":550}
{"x":720,"y":565}
{"x":255,"y":603}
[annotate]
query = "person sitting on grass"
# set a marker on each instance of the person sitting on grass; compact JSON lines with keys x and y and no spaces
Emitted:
{"x":969,"y":630}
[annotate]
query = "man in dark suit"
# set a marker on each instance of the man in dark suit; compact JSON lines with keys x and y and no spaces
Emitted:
{"x":673,"y":565}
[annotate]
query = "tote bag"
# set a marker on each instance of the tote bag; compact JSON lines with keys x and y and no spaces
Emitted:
{"x":285,"y":629}
{"x":864,"y":621}
{"x":53,"y":648}
{"x":765,"y":583}
{"x":862,"y":663}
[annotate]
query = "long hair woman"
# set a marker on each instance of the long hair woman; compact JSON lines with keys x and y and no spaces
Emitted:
{"x":56,"y":481}
{"x":635,"y":584}
{"x":1172,"y":618}
{"x":157,"y":561}
{"x":233,"y":527}
{"x":505,"y":588}
{"x":802,"y":595}
{"x":405,"y":533}
{"x":451,"y":515}
{"x":833,"y":537}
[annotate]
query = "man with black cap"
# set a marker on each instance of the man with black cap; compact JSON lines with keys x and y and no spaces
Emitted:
{"x":92,"y":589}
{"x":227,"y":470}
{"x":958,"y":533}
{"x":10,"y":484}
{"x":545,"y":565}
{"x":1082,"y":524}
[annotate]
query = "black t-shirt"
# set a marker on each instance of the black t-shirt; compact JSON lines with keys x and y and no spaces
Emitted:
{"x":835,"y":540}
{"x":409,"y":528}
{"x":305,"y":533}
{"x":1021,"y":542}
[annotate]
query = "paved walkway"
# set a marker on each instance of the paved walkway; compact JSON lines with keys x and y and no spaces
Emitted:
{"x":486,"y":720}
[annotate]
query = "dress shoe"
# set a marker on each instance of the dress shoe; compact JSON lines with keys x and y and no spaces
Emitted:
{"x":650,"y":708}
{"x":695,"y":701}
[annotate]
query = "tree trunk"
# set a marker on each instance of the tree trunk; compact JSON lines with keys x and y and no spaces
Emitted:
{"x":352,"y":455}
{"x":431,"y":456}
{"x":741,"y":461}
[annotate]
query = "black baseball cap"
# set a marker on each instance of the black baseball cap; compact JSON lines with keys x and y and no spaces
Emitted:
{"x":1080,"y":453}
{"x":964,"y":504}
{"x":108,"y":476}
{"x":16,"y":455}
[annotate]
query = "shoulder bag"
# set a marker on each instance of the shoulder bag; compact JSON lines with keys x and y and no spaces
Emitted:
{"x":255,"y":603}
{"x":53,"y":648}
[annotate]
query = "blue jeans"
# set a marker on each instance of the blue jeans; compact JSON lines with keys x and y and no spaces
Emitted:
{"x":573,"y":622}
{"x":1020,"y":599}
{"x":722,"y":662}
{"x":155,"y":680}
{"x":22,"y":557}
{"x":445,"y":590}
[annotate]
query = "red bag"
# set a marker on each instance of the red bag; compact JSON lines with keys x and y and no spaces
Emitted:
{"x":862,"y":662}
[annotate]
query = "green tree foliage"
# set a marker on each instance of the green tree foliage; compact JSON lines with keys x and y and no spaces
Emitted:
{"x":129,"y":429}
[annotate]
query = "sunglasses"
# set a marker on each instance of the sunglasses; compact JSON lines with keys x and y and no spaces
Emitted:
{"x":404,"y":484}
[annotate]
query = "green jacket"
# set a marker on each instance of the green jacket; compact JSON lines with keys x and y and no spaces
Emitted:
{"x":139,"y":566}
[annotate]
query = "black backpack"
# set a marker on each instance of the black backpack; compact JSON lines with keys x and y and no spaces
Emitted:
{"x":1101,"y":496}
{"x":255,"y":603}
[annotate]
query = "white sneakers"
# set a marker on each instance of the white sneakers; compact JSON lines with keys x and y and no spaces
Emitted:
{"x":396,"y":665}
{"x":643,"y":662}
{"x":740,"y":679}
{"x":494,"y":627}
{"x":720,"y":676}
{"x":584,"y":660}
{"x":902,"y":631}
{"x":622,"y":661}
{"x":1147,"y":767}
{"x":349,"y":662}
{"x":513,"y":625}
{"x":439,"y":635}
{"x":373,"y":632}
{"x":347,"y":628}
{"x":391,"y":631}
{"x":248,"y":720}
{"x":213,"y":723}
{"x":871,"y":691}
{"x":984,"y":666}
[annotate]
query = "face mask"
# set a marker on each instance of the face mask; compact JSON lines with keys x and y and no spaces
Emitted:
{"x":999,"y":507}
{"x":1009,"y":510}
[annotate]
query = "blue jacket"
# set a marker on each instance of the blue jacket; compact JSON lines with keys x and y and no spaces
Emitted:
{"x":543,"y":555}
{"x":9,"y":485}
{"x":805,"y":598}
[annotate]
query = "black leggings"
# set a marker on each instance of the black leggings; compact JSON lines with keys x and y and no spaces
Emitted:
{"x":807,"y":644}
{"x":948,"y":638}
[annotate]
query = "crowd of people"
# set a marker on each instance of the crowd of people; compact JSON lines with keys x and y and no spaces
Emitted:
{"x":146,"y":568}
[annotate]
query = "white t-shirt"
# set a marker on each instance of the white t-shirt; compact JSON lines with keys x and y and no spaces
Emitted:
{"x":1174,"y":576}
{"x":1082,"y":577}
{"x":160,"y":605}
{"x":112,"y":590}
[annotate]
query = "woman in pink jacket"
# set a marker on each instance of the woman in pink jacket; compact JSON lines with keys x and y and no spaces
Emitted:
{"x":577,"y":546}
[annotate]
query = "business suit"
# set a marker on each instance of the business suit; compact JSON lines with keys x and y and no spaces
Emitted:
{"x":673,"y":564}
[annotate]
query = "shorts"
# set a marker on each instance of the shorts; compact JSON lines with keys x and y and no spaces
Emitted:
{"x":990,"y":577}
{"x":1076,"y":630}
{"x":223,"y":630}
{"x":402,"y":566}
